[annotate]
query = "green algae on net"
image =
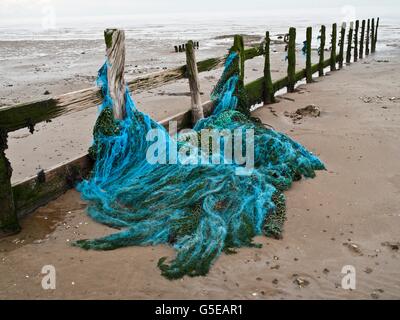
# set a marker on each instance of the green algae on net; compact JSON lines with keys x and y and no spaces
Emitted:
{"x":201,"y":210}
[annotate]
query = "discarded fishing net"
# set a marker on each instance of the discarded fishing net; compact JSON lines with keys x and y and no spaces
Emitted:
{"x":200,"y":209}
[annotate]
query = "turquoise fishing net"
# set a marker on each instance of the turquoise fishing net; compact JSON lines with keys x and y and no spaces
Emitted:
{"x":201,"y":210}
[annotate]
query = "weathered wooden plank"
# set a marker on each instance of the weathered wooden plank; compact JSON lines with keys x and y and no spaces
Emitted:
{"x":23,"y":115}
{"x":356,"y":41}
{"x":37,"y":191}
{"x":269,"y":94}
{"x":115,"y":51}
{"x":238,"y":46}
{"x":333,"y":47}
{"x":194,"y":83}
{"x":255,"y":91}
{"x":376,"y":34}
{"x":361,"y":53}
{"x":367,"y":38}
{"x":251,"y":53}
{"x":254,"y":88}
{"x":308,"y":55}
{"x":291,"y":70}
{"x":349,"y":43}
{"x":322,"y":51}
{"x":341,"y":44}
{"x":8,"y":218}
{"x":372,"y":35}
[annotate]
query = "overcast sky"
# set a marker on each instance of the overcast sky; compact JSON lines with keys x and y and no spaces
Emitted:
{"x":30,"y":10}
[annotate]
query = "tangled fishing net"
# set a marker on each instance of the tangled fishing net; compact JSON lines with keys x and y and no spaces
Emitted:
{"x":201,"y":210}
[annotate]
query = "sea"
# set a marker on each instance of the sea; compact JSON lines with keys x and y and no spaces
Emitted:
{"x":152,"y":35}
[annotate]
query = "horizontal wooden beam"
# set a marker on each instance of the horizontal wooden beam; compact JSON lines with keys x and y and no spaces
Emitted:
{"x":27,"y":114}
{"x":255,"y":89}
{"x":39,"y":190}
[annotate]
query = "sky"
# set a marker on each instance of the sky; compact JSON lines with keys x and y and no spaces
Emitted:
{"x":31,"y":12}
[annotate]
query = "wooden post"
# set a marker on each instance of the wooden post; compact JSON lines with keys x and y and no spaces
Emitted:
{"x":8,"y":217}
{"x":322,"y":51}
{"x":239,"y":67}
{"x":367,"y":38}
{"x":238,"y":44}
{"x":194,"y":83}
{"x":308,"y":56}
{"x":349,"y":43}
{"x":176,"y":49}
{"x":373,"y":35}
{"x":180,"y":48}
{"x":115,"y":43}
{"x":341,"y":44}
{"x":356,"y":41}
{"x":269,"y":94}
{"x":362,"y":39}
{"x":333,"y":47}
{"x":376,"y":34}
{"x":291,"y":60}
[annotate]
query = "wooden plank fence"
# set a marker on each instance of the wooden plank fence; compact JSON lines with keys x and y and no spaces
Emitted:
{"x":26,"y":196}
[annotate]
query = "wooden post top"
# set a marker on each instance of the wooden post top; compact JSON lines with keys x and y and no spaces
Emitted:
{"x":115,"y":50}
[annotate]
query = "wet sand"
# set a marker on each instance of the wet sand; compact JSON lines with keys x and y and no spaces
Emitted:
{"x":348,"y":215}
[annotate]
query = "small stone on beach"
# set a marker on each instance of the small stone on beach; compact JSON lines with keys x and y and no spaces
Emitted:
{"x":301,"y":282}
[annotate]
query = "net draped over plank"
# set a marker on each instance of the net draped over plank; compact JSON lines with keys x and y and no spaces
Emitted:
{"x":201,"y":210}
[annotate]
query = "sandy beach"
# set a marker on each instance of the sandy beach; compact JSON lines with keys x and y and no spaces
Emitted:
{"x":347,"y":215}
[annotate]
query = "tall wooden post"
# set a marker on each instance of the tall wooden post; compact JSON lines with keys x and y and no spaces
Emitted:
{"x":362,"y":39}
{"x":372,"y":35}
{"x":333,"y":47}
{"x":194,"y":83}
{"x":8,"y":217}
{"x":115,"y":43}
{"x":376,"y":34}
{"x":308,"y":55}
{"x":367,"y":38}
{"x":341,"y":44}
{"x":238,"y":44}
{"x":239,"y":67}
{"x":349,"y":43}
{"x":291,"y":60}
{"x":269,"y":94}
{"x":322,"y":51}
{"x":356,"y":41}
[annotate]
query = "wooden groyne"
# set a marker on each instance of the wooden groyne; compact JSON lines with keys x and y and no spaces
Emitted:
{"x":183,"y":47}
{"x":26,"y":196}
